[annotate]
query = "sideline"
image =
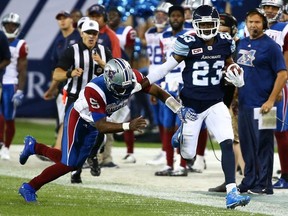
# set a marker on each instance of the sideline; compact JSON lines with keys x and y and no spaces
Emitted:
{"x":139,"y":179}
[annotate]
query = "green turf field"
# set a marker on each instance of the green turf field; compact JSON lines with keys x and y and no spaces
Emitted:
{"x":70,"y":200}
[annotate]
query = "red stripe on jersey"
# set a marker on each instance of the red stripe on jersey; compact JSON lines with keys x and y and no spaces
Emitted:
{"x":72,"y":122}
{"x":23,"y":51}
{"x":95,"y":100}
{"x":139,"y":78}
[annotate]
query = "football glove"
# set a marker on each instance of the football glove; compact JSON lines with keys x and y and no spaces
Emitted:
{"x":17,"y":98}
{"x":186,"y":113}
{"x":235,"y":77}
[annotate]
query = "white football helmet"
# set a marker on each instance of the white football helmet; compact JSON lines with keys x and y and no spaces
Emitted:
{"x":275,"y":3}
{"x":206,"y":14}
{"x":160,"y":20}
{"x":119,"y":77}
{"x":11,"y":18}
{"x":194,"y":4}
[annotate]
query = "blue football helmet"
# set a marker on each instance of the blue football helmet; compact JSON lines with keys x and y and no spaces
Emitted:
{"x":206,"y":14}
{"x":119,"y":77}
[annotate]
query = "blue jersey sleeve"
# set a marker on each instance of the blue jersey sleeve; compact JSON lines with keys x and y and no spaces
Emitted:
{"x":182,"y":45}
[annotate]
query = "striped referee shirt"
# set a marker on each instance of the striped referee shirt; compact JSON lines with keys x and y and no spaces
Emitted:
{"x":79,"y":56}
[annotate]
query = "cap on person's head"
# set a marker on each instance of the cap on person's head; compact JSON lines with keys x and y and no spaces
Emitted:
{"x":97,"y":8}
{"x":176,"y":8}
{"x":90,"y":25}
{"x":81,"y":21}
{"x":62,"y":13}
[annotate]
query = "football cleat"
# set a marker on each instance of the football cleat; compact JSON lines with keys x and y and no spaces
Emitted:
{"x":95,"y":169}
{"x":29,"y":149}
{"x":4,"y":153}
{"x":261,"y":191}
{"x":129,"y":158}
{"x":158,"y":160}
{"x":76,"y":176}
{"x":281,"y":184}
{"x":28,"y":193}
{"x":166,"y":171}
{"x":180,"y":171}
{"x":234,"y":199}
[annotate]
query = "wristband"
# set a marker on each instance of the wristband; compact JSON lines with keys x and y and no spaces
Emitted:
{"x":126,"y":126}
{"x":173,"y":104}
{"x":69,"y":74}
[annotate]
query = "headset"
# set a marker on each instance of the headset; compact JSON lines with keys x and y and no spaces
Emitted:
{"x":259,"y":12}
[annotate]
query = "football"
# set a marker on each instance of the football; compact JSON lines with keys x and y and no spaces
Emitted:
{"x":235,"y":68}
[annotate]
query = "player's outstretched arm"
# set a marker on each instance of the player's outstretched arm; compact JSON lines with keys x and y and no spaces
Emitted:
{"x":104,"y":126}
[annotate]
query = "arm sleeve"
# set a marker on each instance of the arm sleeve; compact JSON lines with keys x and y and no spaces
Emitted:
{"x":162,"y":70}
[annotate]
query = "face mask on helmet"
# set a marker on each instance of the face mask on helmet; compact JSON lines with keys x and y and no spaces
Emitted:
{"x":275,"y":3}
{"x":206,"y":22}
{"x":119,"y":77}
{"x":11,"y":18}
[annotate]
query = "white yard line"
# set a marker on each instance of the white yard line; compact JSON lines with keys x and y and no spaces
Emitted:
{"x":139,"y":179}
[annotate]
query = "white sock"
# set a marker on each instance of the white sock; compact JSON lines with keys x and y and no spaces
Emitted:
{"x":230,"y":186}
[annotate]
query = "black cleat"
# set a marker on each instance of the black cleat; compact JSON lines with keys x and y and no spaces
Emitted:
{"x":95,"y":169}
{"x":76,"y":176}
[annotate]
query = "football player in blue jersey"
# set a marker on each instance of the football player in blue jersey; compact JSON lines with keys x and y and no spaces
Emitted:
{"x":91,"y":114}
{"x":205,"y":55}
{"x":265,"y":76}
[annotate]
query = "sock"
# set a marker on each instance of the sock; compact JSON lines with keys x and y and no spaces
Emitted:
{"x":202,"y":142}
{"x":183,"y":162}
{"x":228,"y":161}
{"x":282,"y":143}
{"x":230,"y":186}
{"x":161,"y":128}
{"x":49,"y":174}
{"x":167,"y":136}
{"x":9,"y":132}
{"x":2,"y":126}
{"x":53,"y":154}
{"x":129,"y":140}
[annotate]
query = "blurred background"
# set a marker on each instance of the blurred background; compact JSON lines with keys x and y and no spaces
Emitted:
{"x":39,"y":28}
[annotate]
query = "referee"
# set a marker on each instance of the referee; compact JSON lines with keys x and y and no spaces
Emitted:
{"x":79,"y":64}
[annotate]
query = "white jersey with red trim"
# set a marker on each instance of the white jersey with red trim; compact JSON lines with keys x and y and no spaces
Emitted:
{"x":126,"y":35}
{"x":153,"y":48}
{"x":18,"y":49}
{"x":95,"y":101}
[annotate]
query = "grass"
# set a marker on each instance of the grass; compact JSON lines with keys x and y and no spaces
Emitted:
{"x":70,"y":200}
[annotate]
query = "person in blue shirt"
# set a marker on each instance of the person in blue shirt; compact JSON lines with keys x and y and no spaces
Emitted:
{"x":265,"y":75}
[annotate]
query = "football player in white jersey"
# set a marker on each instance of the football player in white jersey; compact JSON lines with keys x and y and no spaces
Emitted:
{"x":152,"y":36}
{"x":278,"y":31}
{"x":13,"y":81}
{"x":91,"y":114}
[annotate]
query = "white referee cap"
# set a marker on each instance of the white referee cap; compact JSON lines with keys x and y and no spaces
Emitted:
{"x":89,"y":25}
{"x":81,"y":21}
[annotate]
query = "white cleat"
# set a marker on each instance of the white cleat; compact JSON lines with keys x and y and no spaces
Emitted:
{"x":129,"y":158}
{"x":158,"y":160}
{"x":5,"y":153}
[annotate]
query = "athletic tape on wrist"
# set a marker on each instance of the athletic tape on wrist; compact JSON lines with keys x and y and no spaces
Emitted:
{"x":173,"y":104}
{"x":126,"y":126}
